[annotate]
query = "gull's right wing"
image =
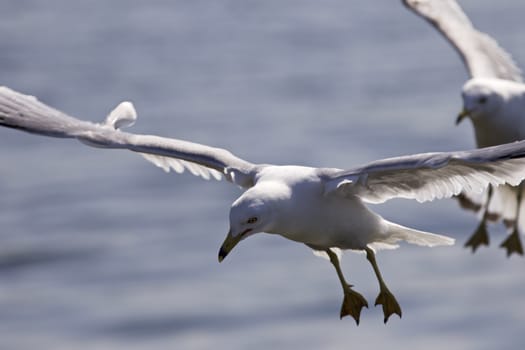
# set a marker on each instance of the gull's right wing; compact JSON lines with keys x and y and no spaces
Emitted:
{"x":482,"y":55}
{"x":429,"y":176}
{"x":26,"y":113}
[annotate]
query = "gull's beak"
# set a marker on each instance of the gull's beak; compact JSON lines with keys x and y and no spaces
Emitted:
{"x":464,"y":113}
{"x":229,"y":243}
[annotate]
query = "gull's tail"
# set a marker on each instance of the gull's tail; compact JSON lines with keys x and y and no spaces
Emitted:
{"x":396,"y":233}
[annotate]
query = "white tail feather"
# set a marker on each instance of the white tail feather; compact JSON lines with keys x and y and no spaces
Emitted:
{"x":400,"y":233}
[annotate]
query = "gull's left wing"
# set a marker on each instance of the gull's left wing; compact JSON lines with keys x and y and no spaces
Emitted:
{"x":429,"y":176}
{"x":26,"y":113}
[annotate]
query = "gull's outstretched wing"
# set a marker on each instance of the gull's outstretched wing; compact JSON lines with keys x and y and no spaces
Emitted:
{"x":481,"y":54}
{"x":428,"y":176}
{"x":26,"y":113}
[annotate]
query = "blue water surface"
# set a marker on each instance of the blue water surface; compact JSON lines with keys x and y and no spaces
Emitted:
{"x":101,"y":250}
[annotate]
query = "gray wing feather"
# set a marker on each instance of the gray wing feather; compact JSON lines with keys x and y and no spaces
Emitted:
{"x":26,"y":113}
{"x":429,"y":176}
{"x":481,"y":54}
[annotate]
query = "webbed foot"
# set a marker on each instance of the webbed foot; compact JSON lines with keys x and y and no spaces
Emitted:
{"x":353,"y":303}
{"x":479,"y":237}
{"x":389,"y":303}
{"x":513,"y":243}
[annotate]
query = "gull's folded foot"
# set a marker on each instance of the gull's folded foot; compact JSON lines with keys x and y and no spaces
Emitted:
{"x":389,"y":303}
{"x":479,"y":237}
{"x":353,"y":303}
{"x":513,"y":243}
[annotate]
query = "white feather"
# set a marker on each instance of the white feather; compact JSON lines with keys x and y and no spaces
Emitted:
{"x":179,"y":165}
{"x":322,"y":254}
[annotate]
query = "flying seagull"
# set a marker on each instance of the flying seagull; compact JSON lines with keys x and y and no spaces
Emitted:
{"x":494,"y":100}
{"x":323,"y":208}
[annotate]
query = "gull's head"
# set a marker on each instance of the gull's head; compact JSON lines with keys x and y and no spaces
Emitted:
{"x":255,"y":211}
{"x":482,"y":98}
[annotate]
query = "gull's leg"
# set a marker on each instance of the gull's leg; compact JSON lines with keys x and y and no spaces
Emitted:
{"x":513,"y":241}
{"x":353,"y":302}
{"x":481,"y":235}
{"x":385,"y":297}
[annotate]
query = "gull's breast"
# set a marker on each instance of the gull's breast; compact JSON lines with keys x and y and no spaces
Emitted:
{"x":332,"y":221}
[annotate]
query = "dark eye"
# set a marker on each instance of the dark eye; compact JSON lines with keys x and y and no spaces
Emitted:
{"x":252,"y":220}
{"x":482,"y":100}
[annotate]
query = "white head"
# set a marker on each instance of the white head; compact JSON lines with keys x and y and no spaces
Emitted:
{"x":482,"y":98}
{"x":251,"y":213}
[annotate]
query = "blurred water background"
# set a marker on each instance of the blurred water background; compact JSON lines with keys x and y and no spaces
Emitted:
{"x":101,"y":250}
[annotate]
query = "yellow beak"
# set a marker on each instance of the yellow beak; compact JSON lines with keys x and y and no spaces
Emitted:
{"x":464,"y":113}
{"x":229,"y":243}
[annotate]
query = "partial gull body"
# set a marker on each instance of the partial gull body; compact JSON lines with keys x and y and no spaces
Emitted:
{"x":494,"y":100}
{"x":324,"y":208}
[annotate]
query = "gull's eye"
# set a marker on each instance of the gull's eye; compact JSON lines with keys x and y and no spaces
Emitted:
{"x":252,"y":220}
{"x":482,"y":100}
